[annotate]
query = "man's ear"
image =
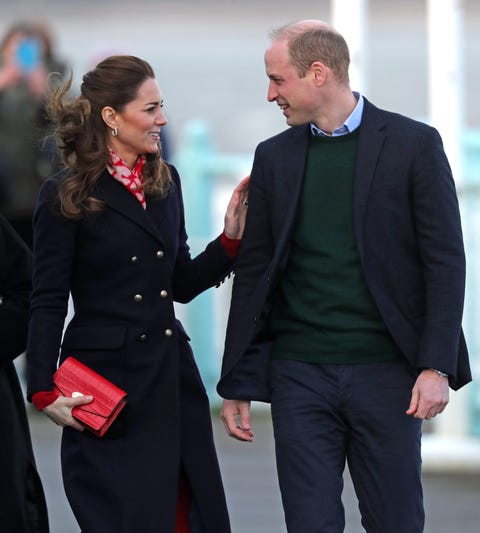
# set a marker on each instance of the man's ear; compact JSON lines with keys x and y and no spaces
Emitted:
{"x":109,"y":116}
{"x":319,"y":72}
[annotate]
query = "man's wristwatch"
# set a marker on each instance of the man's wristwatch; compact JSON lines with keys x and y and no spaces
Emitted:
{"x":439,"y":372}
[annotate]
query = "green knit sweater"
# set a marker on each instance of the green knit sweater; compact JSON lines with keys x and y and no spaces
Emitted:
{"x":323,"y":311}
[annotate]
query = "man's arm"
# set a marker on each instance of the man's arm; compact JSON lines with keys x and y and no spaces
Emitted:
{"x":442,"y":257}
{"x":440,"y":244}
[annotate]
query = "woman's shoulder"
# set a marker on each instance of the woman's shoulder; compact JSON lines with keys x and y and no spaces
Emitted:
{"x":49,"y":189}
{"x":48,"y":193}
{"x":175,"y":185}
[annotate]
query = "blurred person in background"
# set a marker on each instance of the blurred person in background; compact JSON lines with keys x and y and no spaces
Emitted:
{"x":27,"y":157}
{"x":110,"y":229}
{"x":348,"y":297}
{"x":22,"y":501}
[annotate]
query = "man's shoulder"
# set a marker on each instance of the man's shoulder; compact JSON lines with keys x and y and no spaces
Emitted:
{"x":293,"y":133}
{"x":373,"y":113}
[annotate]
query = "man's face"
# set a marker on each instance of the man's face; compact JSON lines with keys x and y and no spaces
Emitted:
{"x":296,"y":96}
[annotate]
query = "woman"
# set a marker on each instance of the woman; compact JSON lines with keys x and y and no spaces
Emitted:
{"x":111,"y":231}
{"x":22,"y":502}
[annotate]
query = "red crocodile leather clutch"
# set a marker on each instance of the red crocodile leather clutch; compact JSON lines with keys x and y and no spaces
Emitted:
{"x":76,"y":379}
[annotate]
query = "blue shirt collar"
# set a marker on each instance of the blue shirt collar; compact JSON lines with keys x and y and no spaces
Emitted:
{"x":351,"y":123}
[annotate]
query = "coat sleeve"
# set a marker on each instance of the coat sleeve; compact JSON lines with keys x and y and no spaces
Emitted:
{"x":440,"y":244}
{"x":15,"y":286}
{"x":247,"y":352}
{"x":54,"y":245}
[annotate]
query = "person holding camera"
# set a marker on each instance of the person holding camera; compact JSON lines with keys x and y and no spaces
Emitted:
{"x":27,"y":158}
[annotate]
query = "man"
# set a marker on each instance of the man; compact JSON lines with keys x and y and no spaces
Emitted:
{"x":22,"y":501}
{"x":348,"y":297}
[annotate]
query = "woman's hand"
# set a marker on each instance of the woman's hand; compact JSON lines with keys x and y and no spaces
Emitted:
{"x":237,"y":210}
{"x":60,"y":411}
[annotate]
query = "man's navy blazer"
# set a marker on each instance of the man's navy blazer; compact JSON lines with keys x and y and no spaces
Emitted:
{"x":409,"y":240}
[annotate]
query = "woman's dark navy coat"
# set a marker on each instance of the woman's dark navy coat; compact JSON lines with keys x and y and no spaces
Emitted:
{"x":125,"y":267}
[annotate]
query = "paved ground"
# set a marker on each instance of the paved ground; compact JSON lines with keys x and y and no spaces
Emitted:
{"x":452,"y":500}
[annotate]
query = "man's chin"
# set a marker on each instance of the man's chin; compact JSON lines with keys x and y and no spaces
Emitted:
{"x":292,"y":122}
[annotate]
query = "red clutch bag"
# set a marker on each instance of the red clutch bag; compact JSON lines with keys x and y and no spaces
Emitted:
{"x":75,"y":379}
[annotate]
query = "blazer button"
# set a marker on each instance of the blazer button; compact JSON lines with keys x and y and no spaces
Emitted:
{"x":137,"y":298}
{"x":142,"y":338}
{"x":134,"y":259}
{"x":159,"y":254}
{"x":168,"y":333}
{"x":163,"y":293}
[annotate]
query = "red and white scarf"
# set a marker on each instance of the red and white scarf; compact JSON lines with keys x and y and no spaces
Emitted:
{"x":132,"y":179}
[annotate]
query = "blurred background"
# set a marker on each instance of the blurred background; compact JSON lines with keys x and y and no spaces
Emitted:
{"x":420,"y":58}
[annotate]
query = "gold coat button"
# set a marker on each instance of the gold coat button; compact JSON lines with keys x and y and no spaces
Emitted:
{"x":163,"y":293}
{"x":159,"y":254}
{"x":137,"y":298}
{"x":168,"y":333}
{"x":142,"y":338}
{"x":134,"y":259}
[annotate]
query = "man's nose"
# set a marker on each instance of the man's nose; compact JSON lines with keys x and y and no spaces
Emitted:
{"x":272,"y":93}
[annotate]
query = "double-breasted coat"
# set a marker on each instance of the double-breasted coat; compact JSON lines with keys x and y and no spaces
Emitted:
{"x":409,"y":240}
{"x":125,"y":267}
{"x":22,"y":501}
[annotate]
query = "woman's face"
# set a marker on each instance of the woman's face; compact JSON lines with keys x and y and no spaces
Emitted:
{"x":139,"y":124}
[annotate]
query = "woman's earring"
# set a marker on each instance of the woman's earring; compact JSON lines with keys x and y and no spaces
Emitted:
{"x":115,"y":132}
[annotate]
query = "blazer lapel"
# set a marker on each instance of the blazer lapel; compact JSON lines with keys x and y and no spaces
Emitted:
{"x":296,"y":158}
{"x":290,"y":178}
{"x":117,"y":197}
{"x":371,"y":138}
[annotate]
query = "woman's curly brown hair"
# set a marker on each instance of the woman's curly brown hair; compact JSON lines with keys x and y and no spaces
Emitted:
{"x":82,"y":135}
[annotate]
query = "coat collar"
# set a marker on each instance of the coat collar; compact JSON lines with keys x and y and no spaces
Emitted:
{"x":118,"y":198}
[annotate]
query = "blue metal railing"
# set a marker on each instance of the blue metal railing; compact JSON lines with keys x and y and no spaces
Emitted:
{"x":469,"y":196}
{"x":204,"y":172}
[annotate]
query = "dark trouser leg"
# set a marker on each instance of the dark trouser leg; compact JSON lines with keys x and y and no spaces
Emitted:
{"x":324,"y":413}
{"x":310,"y":444}
{"x":384,"y":448}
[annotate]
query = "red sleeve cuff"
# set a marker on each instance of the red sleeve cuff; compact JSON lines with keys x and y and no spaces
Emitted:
{"x":43,"y":398}
{"x":231,"y":246}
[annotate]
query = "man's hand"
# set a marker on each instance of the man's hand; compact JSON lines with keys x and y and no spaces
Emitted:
{"x":235,"y":415}
{"x":429,"y":395}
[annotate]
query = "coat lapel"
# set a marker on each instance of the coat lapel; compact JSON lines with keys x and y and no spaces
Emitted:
{"x":296,"y":160}
{"x":370,"y":142}
{"x":290,"y":178}
{"x":117,"y":197}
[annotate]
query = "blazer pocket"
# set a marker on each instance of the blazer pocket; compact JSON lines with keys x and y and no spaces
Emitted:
{"x":98,"y":337}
